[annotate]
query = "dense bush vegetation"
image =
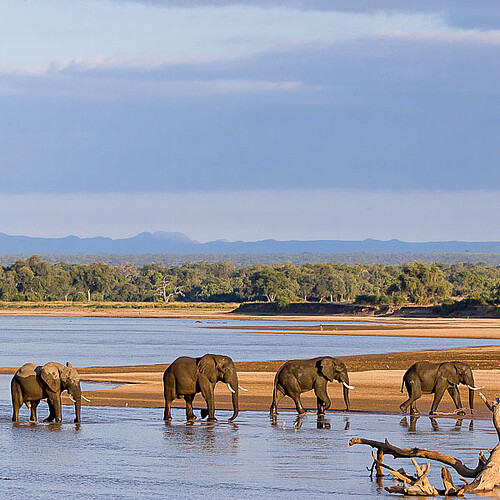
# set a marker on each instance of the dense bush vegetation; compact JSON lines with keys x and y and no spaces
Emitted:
{"x":270,"y":259}
{"x":33,"y":279}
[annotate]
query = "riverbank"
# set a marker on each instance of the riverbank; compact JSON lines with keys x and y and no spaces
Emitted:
{"x":377,"y":378}
{"x":257,"y":310}
{"x":335,"y":324}
{"x":116,"y":309}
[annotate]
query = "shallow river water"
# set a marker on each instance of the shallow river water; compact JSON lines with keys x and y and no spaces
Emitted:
{"x":132,"y":341}
{"x":131,"y":453}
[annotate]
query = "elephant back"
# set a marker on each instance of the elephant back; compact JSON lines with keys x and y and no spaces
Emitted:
{"x":27,"y":370}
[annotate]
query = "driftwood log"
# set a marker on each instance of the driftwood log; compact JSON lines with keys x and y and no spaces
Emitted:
{"x":486,"y":475}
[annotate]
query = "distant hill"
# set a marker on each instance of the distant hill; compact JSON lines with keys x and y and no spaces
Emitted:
{"x":178,"y":243}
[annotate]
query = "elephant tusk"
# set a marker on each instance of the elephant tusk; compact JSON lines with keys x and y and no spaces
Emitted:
{"x":83,"y":397}
{"x":242,"y":388}
{"x":348,"y":386}
{"x":69,"y":396}
{"x":475,"y":388}
{"x":230,"y":388}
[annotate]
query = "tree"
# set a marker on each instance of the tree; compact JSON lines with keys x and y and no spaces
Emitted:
{"x":166,"y":286}
{"x":270,"y":283}
{"x":329,"y":284}
{"x":422,"y":283}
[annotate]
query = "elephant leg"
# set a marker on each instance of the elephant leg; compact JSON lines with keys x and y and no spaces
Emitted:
{"x":278,"y":395}
{"x":298,"y":403}
{"x":455,"y":395}
{"x":52,"y":413}
{"x":322,"y":398}
{"x":167,"y":415}
{"x":17,"y":400}
{"x":414,"y":393}
{"x":55,"y":412}
{"x":34,"y":405}
{"x":207,"y":391}
{"x":169,"y":395}
{"x":189,"y":407}
{"x":438,"y":395}
{"x":293,"y":390}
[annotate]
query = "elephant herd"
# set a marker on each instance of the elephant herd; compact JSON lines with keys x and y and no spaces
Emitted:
{"x":187,"y":376}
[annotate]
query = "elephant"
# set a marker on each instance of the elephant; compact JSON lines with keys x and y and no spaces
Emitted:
{"x":186,"y":377}
{"x":301,"y":375}
{"x":31,"y":383}
{"x":424,"y":377}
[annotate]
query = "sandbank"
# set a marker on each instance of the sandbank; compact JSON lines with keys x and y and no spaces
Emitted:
{"x":377,"y":378}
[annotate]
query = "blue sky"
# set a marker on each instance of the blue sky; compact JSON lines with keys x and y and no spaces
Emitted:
{"x":379,"y":118}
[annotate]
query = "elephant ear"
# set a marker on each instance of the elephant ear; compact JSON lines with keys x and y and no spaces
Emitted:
{"x":326,"y":368}
{"x":450,"y":373}
{"x":50,"y":375}
{"x":206,"y":366}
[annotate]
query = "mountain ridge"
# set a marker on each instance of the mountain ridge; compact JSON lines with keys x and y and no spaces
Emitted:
{"x":164,"y":242}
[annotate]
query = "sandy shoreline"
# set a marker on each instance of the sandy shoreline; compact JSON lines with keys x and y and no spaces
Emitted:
{"x":377,"y":377}
{"x":475,"y":328}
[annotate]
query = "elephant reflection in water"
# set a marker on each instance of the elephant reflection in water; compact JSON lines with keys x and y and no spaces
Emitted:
{"x":412,"y":426}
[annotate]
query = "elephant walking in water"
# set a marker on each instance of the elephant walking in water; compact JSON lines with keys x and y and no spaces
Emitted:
{"x":301,"y":375}
{"x":31,"y":383}
{"x":186,"y":377}
{"x":436,"y":378}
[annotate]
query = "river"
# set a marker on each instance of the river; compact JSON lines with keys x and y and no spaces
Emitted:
{"x":130,"y":453}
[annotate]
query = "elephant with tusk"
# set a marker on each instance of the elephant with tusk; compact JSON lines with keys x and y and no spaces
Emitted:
{"x":436,"y":378}
{"x":301,"y":375}
{"x":31,"y":383}
{"x":186,"y":377}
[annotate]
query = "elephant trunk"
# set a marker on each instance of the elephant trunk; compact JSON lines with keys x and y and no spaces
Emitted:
{"x":469,"y":382}
{"x":471,"y":400}
{"x":76,"y":395}
{"x":345,"y":388}
{"x":232,"y":382}
{"x":472,"y":389}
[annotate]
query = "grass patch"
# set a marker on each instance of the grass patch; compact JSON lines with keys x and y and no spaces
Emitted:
{"x":218,"y":306}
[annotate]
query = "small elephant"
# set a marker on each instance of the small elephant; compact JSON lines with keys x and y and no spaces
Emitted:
{"x":31,"y":383}
{"x":436,"y":378}
{"x":301,"y":375}
{"x":186,"y":377}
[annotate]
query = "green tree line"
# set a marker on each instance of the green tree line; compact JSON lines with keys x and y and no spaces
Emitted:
{"x":33,"y":279}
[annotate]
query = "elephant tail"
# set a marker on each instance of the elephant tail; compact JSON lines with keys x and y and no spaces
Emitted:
{"x":275,"y":387}
{"x":403,"y":385}
{"x":274,"y":410}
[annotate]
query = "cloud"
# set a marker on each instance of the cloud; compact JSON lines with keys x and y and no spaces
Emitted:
{"x":111,"y":89}
{"x":474,"y":37}
{"x":372,"y":113}
{"x":412,"y":215}
{"x":464,"y":13}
